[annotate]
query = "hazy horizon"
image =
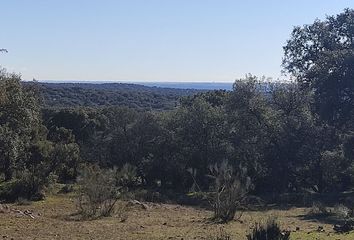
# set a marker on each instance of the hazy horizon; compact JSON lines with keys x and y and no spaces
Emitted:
{"x":155,"y":41}
{"x":121,"y":81}
{"x":175,"y":85}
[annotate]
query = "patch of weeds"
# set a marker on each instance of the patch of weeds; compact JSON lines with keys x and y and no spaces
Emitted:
{"x":342,"y":211}
{"x":23,"y":202}
{"x":319,"y":209}
{"x":268,"y":231}
{"x":221,"y":235}
{"x":67,"y":188}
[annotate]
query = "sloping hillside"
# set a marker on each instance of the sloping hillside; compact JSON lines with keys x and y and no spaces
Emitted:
{"x":110,"y":94}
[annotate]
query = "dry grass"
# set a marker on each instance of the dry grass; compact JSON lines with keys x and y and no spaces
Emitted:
{"x":54,"y":220}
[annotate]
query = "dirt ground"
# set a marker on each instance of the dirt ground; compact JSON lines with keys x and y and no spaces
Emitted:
{"x":53,"y":219}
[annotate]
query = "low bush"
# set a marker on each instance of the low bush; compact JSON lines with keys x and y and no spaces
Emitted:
{"x":268,"y":231}
{"x":67,"y":188}
{"x":342,"y":211}
{"x":230,"y":191}
{"x":26,"y":187}
{"x":318,"y":209}
{"x":100,"y":189}
{"x":10,"y":191}
{"x":97,"y":192}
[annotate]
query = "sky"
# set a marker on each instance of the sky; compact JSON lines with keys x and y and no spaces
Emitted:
{"x":152,"y":40}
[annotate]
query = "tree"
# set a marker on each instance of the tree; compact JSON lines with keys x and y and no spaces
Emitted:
{"x":65,"y":154}
{"x":321,"y":57}
{"x":291,"y":130}
{"x":250,"y":119}
{"x":19,"y":122}
{"x":25,"y":164}
{"x":200,"y":129}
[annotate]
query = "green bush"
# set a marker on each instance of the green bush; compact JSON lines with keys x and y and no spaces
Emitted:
{"x":23,"y":188}
{"x":11,"y":190}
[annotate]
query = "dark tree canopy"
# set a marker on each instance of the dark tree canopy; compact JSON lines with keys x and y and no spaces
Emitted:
{"x":321,"y":57}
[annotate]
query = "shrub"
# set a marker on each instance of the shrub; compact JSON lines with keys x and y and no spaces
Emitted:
{"x":67,"y":188}
{"x":97,"y":192}
{"x":318,"y":208}
{"x":342,"y":211}
{"x":268,"y":231}
{"x":34,"y":184}
{"x":26,"y":186}
{"x":126,"y":176}
{"x":12,"y":190}
{"x":230,"y":190}
{"x":100,"y":189}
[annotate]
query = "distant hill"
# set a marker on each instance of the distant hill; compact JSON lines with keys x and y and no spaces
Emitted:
{"x":111,"y":94}
{"x":191,"y":85}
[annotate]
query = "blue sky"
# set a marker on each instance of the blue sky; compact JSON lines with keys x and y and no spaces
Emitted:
{"x":152,"y":40}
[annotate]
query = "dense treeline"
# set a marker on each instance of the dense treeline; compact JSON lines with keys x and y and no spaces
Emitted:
{"x":269,"y":134}
{"x":292,"y":137}
{"x":111,"y":94}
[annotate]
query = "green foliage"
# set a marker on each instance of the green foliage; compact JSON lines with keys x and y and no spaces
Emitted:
{"x":19,"y":122}
{"x":23,"y":161}
{"x":12,"y":190}
{"x":111,"y":94}
{"x":320,"y":56}
{"x":28,"y":156}
{"x":67,"y":157}
{"x":27,"y":186}
{"x":201,"y":134}
{"x":127,"y":176}
{"x":270,"y":129}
